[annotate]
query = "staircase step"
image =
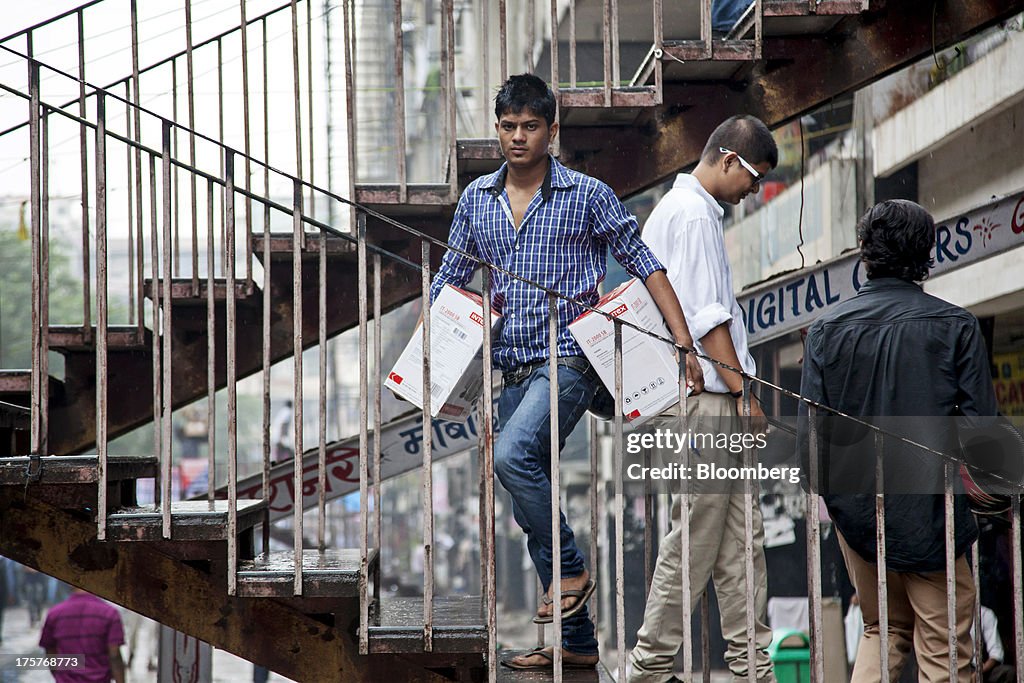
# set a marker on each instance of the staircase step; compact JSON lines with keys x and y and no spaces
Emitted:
{"x":416,"y":194}
{"x":16,"y":387}
{"x":191,"y":520}
{"x":78,"y":469}
{"x":281,"y":246}
{"x":331,"y":574}
{"x":14,"y":416}
{"x":458,"y":625}
{"x":182,"y":291}
{"x":507,"y":675}
{"x":75,"y":337}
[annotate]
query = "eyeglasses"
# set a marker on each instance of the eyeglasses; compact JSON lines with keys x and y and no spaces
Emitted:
{"x":758,"y":177}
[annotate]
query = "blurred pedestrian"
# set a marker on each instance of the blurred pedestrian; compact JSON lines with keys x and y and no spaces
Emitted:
{"x":90,"y":628}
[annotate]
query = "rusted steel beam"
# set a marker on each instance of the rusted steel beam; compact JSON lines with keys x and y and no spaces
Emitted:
{"x":143,"y":578}
{"x":663,"y":141}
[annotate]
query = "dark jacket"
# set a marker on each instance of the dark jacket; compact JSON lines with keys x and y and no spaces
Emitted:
{"x":911,"y":363}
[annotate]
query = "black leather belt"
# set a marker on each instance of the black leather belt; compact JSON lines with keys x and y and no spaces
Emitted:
{"x":519,"y":374}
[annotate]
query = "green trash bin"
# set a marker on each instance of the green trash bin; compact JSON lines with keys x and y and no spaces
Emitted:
{"x":790,"y":653}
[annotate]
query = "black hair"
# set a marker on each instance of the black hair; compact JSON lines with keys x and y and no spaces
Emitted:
{"x":745,"y":135}
{"x":897,"y":238}
{"x":525,"y":91}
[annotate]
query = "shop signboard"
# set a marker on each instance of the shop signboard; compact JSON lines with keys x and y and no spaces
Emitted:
{"x":794,"y":301}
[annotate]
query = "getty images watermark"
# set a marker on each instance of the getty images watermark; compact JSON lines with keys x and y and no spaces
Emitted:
{"x":714,"y":456}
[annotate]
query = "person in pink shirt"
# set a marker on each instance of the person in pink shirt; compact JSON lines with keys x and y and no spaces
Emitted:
{"x":90,"y":628}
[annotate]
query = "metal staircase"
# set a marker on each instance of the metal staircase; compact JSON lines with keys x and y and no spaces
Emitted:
{"x":197,"y":325}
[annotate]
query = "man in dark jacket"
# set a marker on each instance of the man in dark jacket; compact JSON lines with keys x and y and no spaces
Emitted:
{"x":917,"y":366}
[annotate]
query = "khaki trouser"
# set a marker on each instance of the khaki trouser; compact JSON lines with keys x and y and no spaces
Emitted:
{"x":716,"y":519}
{"x":917,"y":613}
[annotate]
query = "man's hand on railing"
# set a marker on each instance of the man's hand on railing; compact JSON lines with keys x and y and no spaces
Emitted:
{"x":694,"y":373}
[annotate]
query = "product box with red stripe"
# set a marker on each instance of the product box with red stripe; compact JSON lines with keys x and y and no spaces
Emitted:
{"x":650,"y":373}
{"x":456,"y":357}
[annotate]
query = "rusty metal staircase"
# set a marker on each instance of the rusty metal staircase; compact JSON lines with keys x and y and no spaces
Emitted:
{"x":196,"y":565}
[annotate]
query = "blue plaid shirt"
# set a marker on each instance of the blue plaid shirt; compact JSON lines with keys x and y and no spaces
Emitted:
{"x":562,"y":244}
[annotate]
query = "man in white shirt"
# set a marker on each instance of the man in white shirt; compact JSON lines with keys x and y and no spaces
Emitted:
{"x":993,"y":670}
{"x":685,"y":233}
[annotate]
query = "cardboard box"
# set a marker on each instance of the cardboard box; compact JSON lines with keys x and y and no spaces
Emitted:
{"x":456,"y":357}
{"x":650,"y":373}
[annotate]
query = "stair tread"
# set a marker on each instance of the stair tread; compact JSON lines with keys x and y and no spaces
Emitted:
{"x":19,"y":382}
{"x":330,"y":561}
{"x":78,"y":469}
{"x":73,"y":337}
{"x":281,"y":246}
{"x":183,"y":292}
{"x":458,"y":623}
{"x":332,"y":573}
{"x":191,"y":520}
{"x":507,"y":675}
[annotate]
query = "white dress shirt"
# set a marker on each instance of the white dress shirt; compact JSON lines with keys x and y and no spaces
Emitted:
{"x":685,"y":233}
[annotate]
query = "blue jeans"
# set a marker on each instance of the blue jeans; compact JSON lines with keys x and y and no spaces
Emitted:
{"x":725,"y":13}
{"x":522,"y":461}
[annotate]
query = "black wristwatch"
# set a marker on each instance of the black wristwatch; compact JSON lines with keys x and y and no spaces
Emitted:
{"x":736,"y":394}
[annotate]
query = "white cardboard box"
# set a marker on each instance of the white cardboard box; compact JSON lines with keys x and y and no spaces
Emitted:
{"x":456,"y":357}
{"x":650,"y":373}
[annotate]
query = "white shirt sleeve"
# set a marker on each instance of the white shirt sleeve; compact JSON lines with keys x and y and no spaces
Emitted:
{"x":696,"y":262}
{"x":990,"y":633}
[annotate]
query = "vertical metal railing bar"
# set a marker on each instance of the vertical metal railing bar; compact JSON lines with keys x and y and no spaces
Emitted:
{"x":309,"y":107}
{"x":428,"y":442}
{"x":191,"y":104}
{"x":748,"y":539}
{"x":487,"y":477}
{"x":154,"y":264}
{"x":44,"y":282}
{"x":950,"y":530}
{"x":450,"y":101}
{"x":297,"y":83}
{"x":814,"y":550}
{"x":606,"y":37}
{"x":705,"y":637}
{"x":165,"y":448}
{"x":377,"y":397}
{"x":1018,"y":586}
{"x":231,"y":373}
{"x":615,"y":42}
{"x":620,"y":527}
{"x":976,"y":575}
{"x":267,"y":266}
{"x":659,"y":44}
{"x":35,"y":202}
{"x":130,"y":195}
{"x":101,"y":311}
{"x":297,"y":243}
{"x":484,"y":48}
{"x":350,"y":90}
{"x":175,"y":178}
{"x":595,"y":557}
{"x":554,"y":48}
{"x":329,"y":124}
{"x":531,"y":34}
{"x":364,"y":465}
{"x":648,"y":527}
{"x":503,"y":38}
{"x":556,"y":493}
{"x":705,"y":28}
{"x":211,"y":348}
{"x":136,"y":87}
{"x":758,"y":28}
{"x":220,"y":131}
{"x":684,"y":529}
{"x":321,"y":470}
{"x":246,"y":144}
{"x":84,"y":162}
{"x":403,"y":187}
{"x":883,"y":584}
{"x":572,"y":43}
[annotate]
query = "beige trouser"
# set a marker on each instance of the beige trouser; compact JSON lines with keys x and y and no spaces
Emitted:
{"x":716,"y":517}
{"x":917,"y":612}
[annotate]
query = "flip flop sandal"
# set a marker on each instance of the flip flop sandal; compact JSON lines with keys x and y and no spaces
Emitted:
{"x":548,"y":663}
{"x":581,"y":596}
